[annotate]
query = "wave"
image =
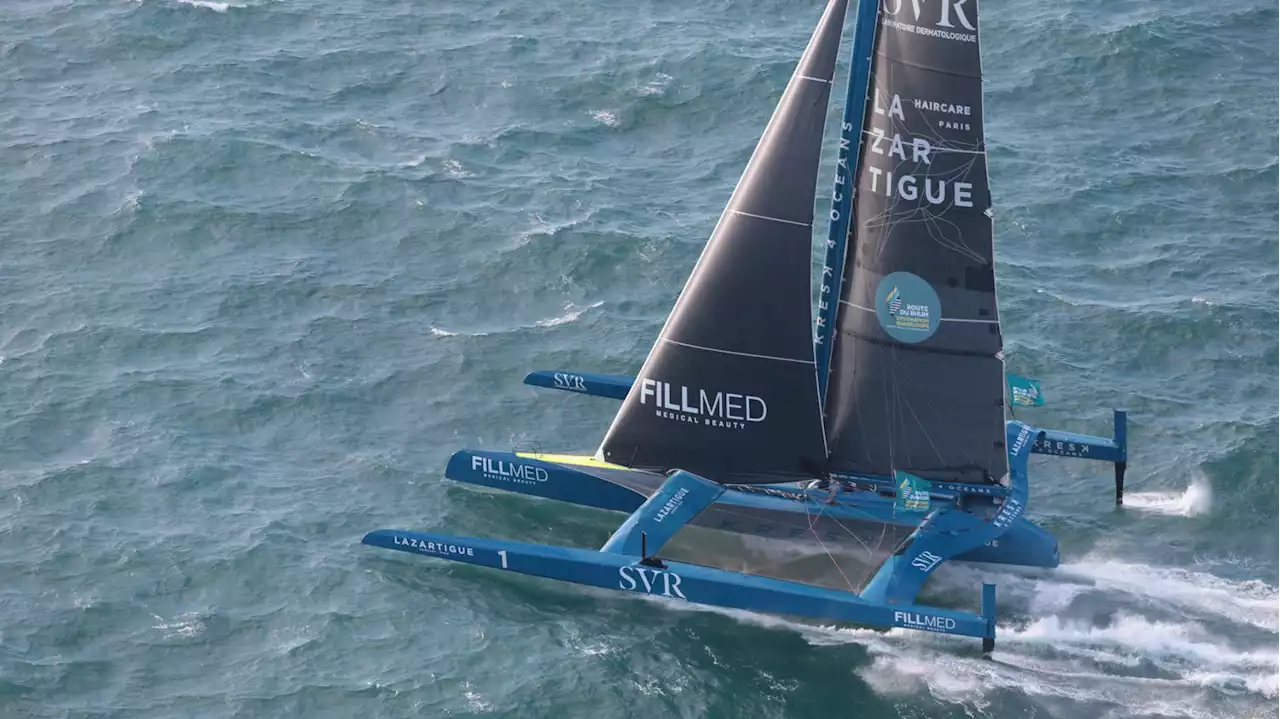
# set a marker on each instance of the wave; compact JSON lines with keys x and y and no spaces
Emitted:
{"x":572,"y":314}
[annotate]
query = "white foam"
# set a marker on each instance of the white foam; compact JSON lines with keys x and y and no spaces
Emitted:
{"x":571,"y":315}
{"x":1194,"y":500}
{"x":1247,"y":602}
{"x":1083,"y":661}
{"x":656,"y":86}
{"x":605,"y":117}
{"x":209,"y":5}
{"x":455,"y":169}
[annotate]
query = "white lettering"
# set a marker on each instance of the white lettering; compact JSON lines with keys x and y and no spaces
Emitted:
{"x":907,"y":187}
{"x":958,"y":6}
{"x":716,"y":409}
{"x":896,"y":148}
{"x":920,"y":151}
{"x":508,"y":471}
{"x":936,"y":192}
{"x":670,"y":585}
{"x":429,"y":547}
{"x":671,"y":505}
{"x":928,"y":622}
{"x":926,"y":561}
{"x":947,"y":11}
{"x":648,"y":388}
{"x":627,"y":582}
{"x":573,"y":382}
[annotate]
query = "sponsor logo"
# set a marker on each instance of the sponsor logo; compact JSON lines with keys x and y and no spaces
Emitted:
{"x":913,"y":316}
{"x":439,"y":549}
{"x":982,"y":489}
{"x":576,"y":383}
{"x":671,"y":505}
{"x":926,"y":561}
{"x":945,"y":19}
{"x":908,"y":186}
{"x":913,"y":493}
{"x":698,"y":406}
{"x":505,"y":471}
{"x":1020,"y":441}
{"x":907,"y":307}
{"x":650,"y":581}
{"x":928,"y":622}
{"x":1025,"y":396}
{"x":946,"y":108}
{"x":1065,"y":449}
{"x":1010,"y":510}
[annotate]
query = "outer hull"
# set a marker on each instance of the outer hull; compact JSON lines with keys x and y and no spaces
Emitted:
{"x":860,"y":526}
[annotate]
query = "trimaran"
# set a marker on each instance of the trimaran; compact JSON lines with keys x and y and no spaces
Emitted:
{"x":885,"y":438}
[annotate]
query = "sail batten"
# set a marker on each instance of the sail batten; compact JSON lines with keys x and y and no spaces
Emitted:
{"x":916,"y":378}
{"x":729,"y":390}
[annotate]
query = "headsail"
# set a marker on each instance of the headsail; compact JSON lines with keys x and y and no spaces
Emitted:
{"x":729,"y":389}
{"x":917,"y":381}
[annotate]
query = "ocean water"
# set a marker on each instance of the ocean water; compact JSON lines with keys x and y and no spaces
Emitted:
{"x":265,"y":264}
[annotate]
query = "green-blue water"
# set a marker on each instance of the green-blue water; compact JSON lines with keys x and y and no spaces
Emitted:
{"x":265,"y":264}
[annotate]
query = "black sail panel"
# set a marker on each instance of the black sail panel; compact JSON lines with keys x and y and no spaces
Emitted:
{"x":729,"y":390}
{"x":917,"y":378}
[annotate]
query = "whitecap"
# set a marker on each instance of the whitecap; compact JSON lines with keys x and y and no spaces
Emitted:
{"x":657,"y":86}
{"x":605,"y":117}
{"x":209,"y":5}
{"x":455,"y":169}
{"x":572,"y":314}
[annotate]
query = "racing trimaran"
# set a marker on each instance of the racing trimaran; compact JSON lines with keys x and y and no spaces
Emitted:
{"x":882,"y":431}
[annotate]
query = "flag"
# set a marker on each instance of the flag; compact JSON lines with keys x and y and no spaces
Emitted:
{"x":1024,"y":392}
{"x":913,"y":493}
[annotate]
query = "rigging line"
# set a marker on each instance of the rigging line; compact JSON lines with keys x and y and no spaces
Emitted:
{"x":813,"y":519}
{"x":772,"y":219}
{"x":927,"y":69}
{"x":835,"y":562}
{"x":907,"y":403}
{"x":932,"y":147}
{"x":738,"y":354}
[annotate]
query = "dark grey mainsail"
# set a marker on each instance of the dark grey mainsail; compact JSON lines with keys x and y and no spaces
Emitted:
{"x":729,"y":390}
{"x":917,"y":374}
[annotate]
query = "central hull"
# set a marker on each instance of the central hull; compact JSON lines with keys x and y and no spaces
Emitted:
{"x":775,"y":522}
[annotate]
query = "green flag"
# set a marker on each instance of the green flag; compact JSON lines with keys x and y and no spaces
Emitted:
{"x":913,"y":493}
{"x":1024,"y":392}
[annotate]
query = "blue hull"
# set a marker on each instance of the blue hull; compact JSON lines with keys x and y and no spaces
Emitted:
{"x":861,"y":522}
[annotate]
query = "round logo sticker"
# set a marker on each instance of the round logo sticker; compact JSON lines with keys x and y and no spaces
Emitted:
{"x":907,"y":307}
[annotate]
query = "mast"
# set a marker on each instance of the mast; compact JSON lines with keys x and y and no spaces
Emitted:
{"x":917,"y":374}
{"x":832,"y":281}
{"x":729,"y":390}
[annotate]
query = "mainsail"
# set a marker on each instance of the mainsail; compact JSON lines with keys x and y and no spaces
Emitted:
{"x":916,"y":382}
{"x":729,"y":389}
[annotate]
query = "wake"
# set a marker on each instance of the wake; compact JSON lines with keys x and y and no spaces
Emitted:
{"x":1148,"y":640}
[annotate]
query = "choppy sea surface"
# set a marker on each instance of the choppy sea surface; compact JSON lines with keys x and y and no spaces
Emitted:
{"x":265,"y":264}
